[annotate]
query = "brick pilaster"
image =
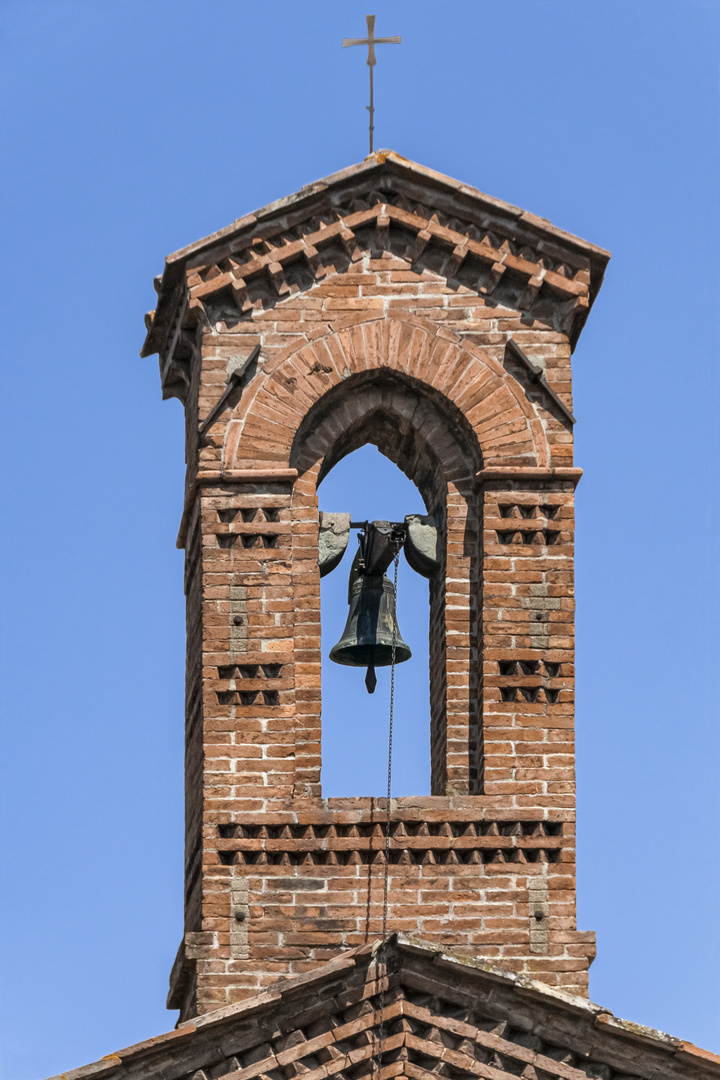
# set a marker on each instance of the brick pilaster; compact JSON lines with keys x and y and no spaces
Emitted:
{"x":528,"y":635}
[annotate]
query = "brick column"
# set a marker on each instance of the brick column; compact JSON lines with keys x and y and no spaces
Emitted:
{"x":304,"y":599}
{"x":528,"y":634}
{"x":462,"y":765}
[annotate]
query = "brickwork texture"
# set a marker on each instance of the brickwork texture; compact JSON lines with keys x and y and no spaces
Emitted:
{"x":394,"y":306}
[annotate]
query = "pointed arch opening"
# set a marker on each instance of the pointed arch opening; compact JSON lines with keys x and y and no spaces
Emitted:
{"x":420,"y":430}
{"x":355,"y":723}
{"x":434,"y":446}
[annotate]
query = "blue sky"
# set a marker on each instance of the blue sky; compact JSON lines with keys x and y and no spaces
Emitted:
{"x":133,"y":128}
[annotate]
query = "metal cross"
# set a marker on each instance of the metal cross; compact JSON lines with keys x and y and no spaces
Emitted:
{"x":371,"y":41}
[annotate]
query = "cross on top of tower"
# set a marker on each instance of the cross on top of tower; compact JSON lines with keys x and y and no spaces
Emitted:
{"x":371,"y":41}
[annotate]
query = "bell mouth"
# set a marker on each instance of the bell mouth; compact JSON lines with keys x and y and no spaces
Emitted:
{"x":375,"y":655}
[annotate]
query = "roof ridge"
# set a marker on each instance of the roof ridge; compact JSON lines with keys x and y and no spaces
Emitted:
{"x":443,"y":957}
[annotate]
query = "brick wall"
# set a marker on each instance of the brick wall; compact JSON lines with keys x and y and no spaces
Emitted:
{"x":379,"y":331}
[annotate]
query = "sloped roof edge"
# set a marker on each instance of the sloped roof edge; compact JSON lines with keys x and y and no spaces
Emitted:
{"x":372,"y":162}
{"x":704,"y":1062}
{"x":378,"y":162}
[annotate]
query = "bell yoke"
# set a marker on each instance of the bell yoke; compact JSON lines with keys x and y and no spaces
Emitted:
{"x":372,"y":636}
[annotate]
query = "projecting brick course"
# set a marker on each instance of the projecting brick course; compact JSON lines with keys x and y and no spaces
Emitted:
{"x":394,"y":306}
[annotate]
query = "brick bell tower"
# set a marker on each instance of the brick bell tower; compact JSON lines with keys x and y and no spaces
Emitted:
{"x":392,"y":305}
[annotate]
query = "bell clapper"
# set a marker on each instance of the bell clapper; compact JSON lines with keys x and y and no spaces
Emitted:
{"x":371,"y":680}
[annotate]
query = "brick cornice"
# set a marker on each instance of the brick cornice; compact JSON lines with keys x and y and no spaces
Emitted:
{"x":529,"y":472}
{"x":381,"y":215}
{"x":206,"y":477}
{"x":386,"y":190}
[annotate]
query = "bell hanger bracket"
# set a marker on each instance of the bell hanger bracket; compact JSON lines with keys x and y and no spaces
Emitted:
{"x":418,"y":535}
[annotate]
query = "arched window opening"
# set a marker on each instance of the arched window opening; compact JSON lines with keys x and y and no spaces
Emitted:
{"x":433,"y":445}
{"x":368,"y":486}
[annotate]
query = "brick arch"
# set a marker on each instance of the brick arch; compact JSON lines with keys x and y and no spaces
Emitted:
{"x":476,"y":387}
{"x":427,"y":438}
{"x":423,"y":436}
{"x":475,"y":414}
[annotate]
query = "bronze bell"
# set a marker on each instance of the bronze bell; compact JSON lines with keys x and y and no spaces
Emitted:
{"x":367,"y":640}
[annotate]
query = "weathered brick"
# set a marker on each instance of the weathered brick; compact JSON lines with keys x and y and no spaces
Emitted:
{"x":405,"y":339}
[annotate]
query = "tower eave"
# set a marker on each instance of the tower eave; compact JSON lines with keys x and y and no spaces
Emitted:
{"x":436,"y":189}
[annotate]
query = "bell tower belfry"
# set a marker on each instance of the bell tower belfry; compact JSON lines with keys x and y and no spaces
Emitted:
{"x":392,"y":305}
